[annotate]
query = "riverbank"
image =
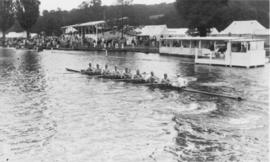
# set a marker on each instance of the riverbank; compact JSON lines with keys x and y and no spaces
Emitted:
{"x":125,"y":49}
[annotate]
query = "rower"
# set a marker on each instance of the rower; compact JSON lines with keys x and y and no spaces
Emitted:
{"x":127,"y":74}
{"x":89,"y":69}
{"x":166,"y":80}
{"x":98,"y":70}
{"x":180,"y":82}
{"x":106,"y":71}
{"x":138,"y":76}
{"x":116,"y":72}
{"x":152,"y":78}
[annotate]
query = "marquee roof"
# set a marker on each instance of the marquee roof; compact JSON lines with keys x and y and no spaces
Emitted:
{"x":90,"y":23}
{"x":151,"y":30}
{"x":243,"y":27}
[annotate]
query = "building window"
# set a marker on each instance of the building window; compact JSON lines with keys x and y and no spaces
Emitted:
{"x":236,"y":47}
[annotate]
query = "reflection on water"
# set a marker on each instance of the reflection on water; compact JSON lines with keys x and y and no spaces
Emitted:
{"x":48,"y":114}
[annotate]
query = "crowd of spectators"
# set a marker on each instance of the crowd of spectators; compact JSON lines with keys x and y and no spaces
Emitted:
{"x":78,"y":42}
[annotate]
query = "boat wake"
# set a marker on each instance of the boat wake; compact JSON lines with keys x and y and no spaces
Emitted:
{"x":200,"y":108}
{"x":215,"y":84}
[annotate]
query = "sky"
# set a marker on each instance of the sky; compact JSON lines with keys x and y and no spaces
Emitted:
{"x":70,"y":4}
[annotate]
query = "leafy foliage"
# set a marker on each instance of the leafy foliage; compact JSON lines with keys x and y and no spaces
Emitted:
{"x":139,"y":14}
{"x":27,"y":13}
{"x":7,"y":13}
{"x":202,"y":14}
{"x":205,"y":14}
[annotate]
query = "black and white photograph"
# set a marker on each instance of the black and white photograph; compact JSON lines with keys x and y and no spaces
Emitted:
{"x":134,"y":80}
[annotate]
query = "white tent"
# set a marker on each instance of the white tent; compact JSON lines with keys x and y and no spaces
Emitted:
{"x":152,"y":31}
{"x":91,"y":23}
{"x":214,"y":31}
{"x":33,"y":35}
{"x":243,"y":28}
{"x":176,"y":32}
{"x":262,"y":32}
{"x":16,"y":35}
{"x":70,"y":30}
{"x":19,"y":35}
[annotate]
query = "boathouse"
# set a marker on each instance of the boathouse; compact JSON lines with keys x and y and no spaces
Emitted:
{"x":226,"y":51}
{"x":248,"y":29}
{"x":230,"y":51}
{"x":92,"y":29}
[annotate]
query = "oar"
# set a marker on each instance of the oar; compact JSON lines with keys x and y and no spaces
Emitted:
{"x":213,"y":94}
{"x":77,"y":71}
{"x":71,"y":70}
{"x":128,"y":80}
{"x":151,"y":84}
{"x":98,"y":76}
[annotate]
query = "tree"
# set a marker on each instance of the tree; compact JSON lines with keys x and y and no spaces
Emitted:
{"x":91,"y":3}
{"x":96,"y":8}
{"x":27,"y":13}
{"x":124,"y":4}
{"x":202,"y":14}
{"x":6,"y":16}
{"x":95,"y":3}
{"x":50,"y":22}
{"x":90,"y":10}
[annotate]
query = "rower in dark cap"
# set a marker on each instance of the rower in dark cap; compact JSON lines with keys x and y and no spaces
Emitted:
{"x":98,"y":70}
{"x":106,"y":71}
{"x":116,"y":73}
{"x":89,"y":69}
{"x":138,"y":76}
{"x":127,"y":74}
{"x":152,"y":78}
{"x":166,"y":80}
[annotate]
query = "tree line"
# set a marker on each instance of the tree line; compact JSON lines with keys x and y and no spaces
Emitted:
{"x":205,"y":14}
{"x":200,"y":14}
{"x":194,"y":14}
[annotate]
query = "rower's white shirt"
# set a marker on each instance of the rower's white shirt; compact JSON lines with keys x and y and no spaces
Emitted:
{"x":180,"y":82}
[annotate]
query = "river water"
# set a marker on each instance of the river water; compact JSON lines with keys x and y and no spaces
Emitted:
{"x":50,"y":115}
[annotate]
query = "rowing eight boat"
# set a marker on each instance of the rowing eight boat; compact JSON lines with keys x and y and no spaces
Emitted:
{"x":155,"y":85}
{"x":134,"y":81}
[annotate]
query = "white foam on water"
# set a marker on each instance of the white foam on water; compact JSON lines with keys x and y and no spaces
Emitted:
{"x":200,"y":108}
{"x":248,"y":120}
{"x":215,"y":84}
{"x":5,"y":151}
{"x":191,"y":79}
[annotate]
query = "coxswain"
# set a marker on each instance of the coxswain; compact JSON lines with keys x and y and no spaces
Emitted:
{"x":166,"y":80}
{"x":106,"y":71}
{"x":116,"y":73}
{"x":89,"y":69}
{"x":138,"y":76}
{"x":127,"y":74}
{"x":98,"y":70}
{"x":180,"y":82}
{"x":152,"y":78}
